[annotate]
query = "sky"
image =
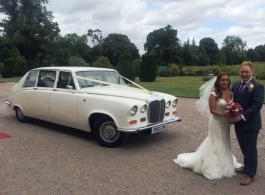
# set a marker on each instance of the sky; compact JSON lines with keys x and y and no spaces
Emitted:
{"x":196,"y":19}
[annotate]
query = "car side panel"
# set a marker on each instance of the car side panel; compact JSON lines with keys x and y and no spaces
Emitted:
{"x":63,"y":107}
{"x":38,"y":104}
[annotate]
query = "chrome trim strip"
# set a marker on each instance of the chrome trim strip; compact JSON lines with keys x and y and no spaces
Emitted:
{"x":7,"y":102}
{"x":135,"y":130}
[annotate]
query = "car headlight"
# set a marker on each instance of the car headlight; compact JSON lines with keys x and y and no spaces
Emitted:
{"x":175,"y":102}
{"x":143,"y":109}
{"x":168,"y":104}
{"x":133,"y":110}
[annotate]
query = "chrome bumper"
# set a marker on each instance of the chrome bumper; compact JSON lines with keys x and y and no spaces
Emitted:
{"x":138,"y":129}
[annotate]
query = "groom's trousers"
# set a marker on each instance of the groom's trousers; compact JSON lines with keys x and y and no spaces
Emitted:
{"x":248,"y":144}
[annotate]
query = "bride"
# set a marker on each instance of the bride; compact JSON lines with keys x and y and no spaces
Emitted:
{"x":213,"y":159}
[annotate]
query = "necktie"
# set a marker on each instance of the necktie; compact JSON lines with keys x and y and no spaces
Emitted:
{"x":242,"y":86}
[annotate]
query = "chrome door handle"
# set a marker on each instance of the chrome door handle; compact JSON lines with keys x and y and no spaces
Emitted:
{"x":35,"y":88}
{"x":55,"y":89}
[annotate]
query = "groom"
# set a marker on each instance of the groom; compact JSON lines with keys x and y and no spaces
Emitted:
{"x":250,"y":94}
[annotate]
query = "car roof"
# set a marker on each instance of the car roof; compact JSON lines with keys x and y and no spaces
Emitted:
{"x":73,"y":68}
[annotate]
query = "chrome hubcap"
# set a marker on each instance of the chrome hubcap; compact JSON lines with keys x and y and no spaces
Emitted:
{"x":20,"y":113}
{"x":108,"y":132}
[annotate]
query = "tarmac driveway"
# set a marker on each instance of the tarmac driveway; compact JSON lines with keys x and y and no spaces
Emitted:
{"x":44,"y":158}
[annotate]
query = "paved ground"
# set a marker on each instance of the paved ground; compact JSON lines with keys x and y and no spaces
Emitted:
{"x":48,"y":159}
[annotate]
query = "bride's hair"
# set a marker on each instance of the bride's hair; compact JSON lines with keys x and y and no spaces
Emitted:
{"x":217,"y":88}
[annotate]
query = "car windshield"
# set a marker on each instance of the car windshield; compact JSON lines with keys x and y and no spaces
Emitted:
{"x":105,"y":76}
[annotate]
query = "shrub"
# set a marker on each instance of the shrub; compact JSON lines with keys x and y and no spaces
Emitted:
{"x":216,"y":70}
{"x":137,"y":64}
{"x":174,"y":70}
{"x":21,"y":67}
{"x":103,"y":62}
{"x":1,"y":67}
{"x":125,"y":66}
{"x":148,"y":69}
{"x":164,"y":73}
{"x":231,"y":70}
{"x":189,"y":71}
{"x":9,"y":68}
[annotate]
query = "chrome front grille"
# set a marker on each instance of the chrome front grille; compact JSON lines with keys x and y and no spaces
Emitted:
{"x":156,"y":111}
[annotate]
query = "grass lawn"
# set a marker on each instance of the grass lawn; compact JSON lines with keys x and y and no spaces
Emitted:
{"x":14,"y":79}
{"x":187,"y":86}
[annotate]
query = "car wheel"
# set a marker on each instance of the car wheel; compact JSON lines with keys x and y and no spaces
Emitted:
{"x":20,"y":116}
{"x":106,"y":133}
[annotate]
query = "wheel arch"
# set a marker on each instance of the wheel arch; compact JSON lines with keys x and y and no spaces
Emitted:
{"x":95,"y":116}
{"x":16,"y":106}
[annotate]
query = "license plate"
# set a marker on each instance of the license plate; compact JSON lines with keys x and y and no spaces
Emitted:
{"x":158,"y":128}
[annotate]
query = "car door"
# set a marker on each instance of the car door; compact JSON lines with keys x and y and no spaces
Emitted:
{"x":39,"y":97}
{"x":23,"y":97}
{"x":63,"y":100}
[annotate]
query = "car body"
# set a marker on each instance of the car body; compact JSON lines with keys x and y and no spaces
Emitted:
{"x":91,"y":99}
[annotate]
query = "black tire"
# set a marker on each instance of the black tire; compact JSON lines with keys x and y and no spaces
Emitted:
{"x":20,"y":116}
{"x":106,"y":133}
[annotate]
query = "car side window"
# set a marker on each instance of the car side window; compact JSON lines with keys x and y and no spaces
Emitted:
{"x":31,"y":79}
{"x":65,"y":80}
{"x":46,"y":78}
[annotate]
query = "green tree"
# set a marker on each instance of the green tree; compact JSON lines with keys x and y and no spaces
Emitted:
{"x":187,"y":54}
{"x":14,"y":54}
{"x":223,"y":56}
{"x":252,"y":55}
{"x":29,"y":24}
{"x":103,"y":62}
{"x":9,"y":69}
{"x":116,"y":44}
{"x":125,"y":66}
{"x":204,"y":59}
{"x":1,"y":67}
{"x":211,"y":49}
{"x":6,"y":45}
{"x":260,"y":50}
{"x":148,"y":69}
{"x":234,"y":49}
{"x":73,"y":45}
{"x":165,"y":43}
{"x":21,"y":67}
{"x":194,"y":52}
{"x":97,"y":40}
{"x":20,"y":64}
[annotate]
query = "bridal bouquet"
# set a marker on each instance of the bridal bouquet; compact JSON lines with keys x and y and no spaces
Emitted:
{"x":233,"y":109}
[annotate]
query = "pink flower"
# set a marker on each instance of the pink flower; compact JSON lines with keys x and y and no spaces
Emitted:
{"x":233,"y":109}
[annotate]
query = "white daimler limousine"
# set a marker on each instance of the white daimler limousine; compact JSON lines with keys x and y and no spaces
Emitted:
{"x":91,"y":99}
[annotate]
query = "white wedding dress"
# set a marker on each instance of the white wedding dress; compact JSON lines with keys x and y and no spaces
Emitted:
{"x":213,"y":159}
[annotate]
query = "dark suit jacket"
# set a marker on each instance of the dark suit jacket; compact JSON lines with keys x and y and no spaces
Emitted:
{"x":252,"y":102}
